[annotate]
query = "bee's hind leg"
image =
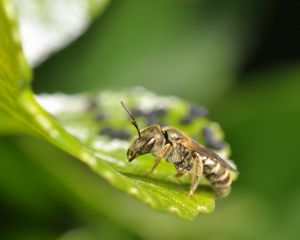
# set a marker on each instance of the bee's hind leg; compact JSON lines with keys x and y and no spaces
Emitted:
{"x":196,"y":173}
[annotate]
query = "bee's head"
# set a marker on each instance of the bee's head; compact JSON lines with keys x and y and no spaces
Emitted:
{"x":148,"y":140}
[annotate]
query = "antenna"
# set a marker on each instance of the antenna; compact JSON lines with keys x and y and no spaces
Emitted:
{"x":133,"y":121}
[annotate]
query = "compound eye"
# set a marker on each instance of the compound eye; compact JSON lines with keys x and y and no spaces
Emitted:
{"x":148,"y":146}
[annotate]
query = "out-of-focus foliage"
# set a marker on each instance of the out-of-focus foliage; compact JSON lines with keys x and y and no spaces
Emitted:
{"x":47,"y":26}
{"x":188,"y":49}
{"x":192,"y":49}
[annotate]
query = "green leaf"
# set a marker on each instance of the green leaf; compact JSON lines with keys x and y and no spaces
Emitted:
{"x":47,"y":26}
{"x":77,"y":120}
{"x":14,"y":71}
{"x":103,"y":111}
{"x":106,"y":156}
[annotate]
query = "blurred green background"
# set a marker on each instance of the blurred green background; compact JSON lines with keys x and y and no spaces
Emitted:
{"x":239,"y":58}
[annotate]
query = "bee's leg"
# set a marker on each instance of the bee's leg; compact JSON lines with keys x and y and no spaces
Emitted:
{"x":197,"y":173}
{"x":179,"y":174}
{"x":190,"y":176}
{"x":157,"y":161}
{"x":164,"y":150}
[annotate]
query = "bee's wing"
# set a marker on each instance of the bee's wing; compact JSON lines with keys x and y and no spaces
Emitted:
{"x":203,"y":151}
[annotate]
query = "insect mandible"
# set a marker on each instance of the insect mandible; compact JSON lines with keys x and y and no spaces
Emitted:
{"x":185,"y":153}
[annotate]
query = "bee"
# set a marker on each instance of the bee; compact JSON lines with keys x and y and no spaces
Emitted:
{"x":187,"y":155}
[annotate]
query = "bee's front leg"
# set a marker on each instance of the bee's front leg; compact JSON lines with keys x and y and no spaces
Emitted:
{"x":163,"y":151}
{"x":197,"y":173}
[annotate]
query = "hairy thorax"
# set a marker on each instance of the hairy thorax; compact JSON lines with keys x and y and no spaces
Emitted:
{"x":181,"y":157}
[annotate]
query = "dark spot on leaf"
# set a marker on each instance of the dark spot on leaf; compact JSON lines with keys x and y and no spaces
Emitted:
{"x":198,"y":111}
{"x":92,"y":105}
{"x":95,"y":109}
{"x":115,"y":133}
{"x":219,"y":145}
{"x":151,"y":119}
{"x":194,"y":112}
{"x":186,"y":120}
{"x":159,"y":112}
{"x":137,"y":112}
{"x":210,"y":139}
{"x":99,"y":116}
{"x":106,"y":131}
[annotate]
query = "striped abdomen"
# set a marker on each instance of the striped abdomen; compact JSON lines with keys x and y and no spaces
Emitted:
{"x":218,"y":175}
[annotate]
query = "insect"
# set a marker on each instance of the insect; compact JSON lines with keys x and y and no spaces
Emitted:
{"x":185,"y":153}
